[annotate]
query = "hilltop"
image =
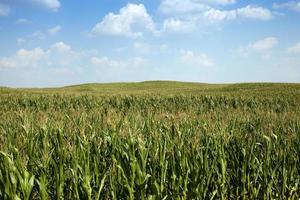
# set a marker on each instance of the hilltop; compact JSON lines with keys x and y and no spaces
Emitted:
{"x":162,"y":87}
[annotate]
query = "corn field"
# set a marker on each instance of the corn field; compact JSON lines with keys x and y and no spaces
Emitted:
{"x":223,"y":144}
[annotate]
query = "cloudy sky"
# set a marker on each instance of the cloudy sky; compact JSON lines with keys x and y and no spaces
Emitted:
{"x":46,"y":43}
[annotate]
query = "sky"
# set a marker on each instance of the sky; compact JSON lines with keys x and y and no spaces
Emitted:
{"x":52,"y":43}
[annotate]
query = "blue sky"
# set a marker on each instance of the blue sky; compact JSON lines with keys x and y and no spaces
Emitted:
{"x":46,"y":43}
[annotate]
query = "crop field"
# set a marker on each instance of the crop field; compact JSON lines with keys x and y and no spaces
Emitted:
{"x":151,"y":140}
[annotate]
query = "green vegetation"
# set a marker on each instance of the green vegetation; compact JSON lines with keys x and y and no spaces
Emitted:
{"x":151,"y":140}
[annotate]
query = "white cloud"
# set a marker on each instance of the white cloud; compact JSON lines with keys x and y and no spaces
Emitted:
{"x":131,"y":21}
{"x":107,"y":63}
{"x":61,"y":54}
{"x":176,"y":25}
{"x":250,"y":12}
{"x":189,"y":15}
{"x":54,"y":30}
{"x":38,"y":35}
{"x":187,"y":23}
{"x":60,"y":64}
{"x":254,"y":12}
{"x":184,"y":16}
{"x":223,"y":2}
{"x":23,"y":21}
{"x":215,"y":15}
{"x":291,"y":5}
{"x":61,"y":47}
{"x":4,"y":10}
{"x":173,"y":7}
{"x":295,"y":49}
{"x":23,"y":58}
{"x":264,"y":44}
{"x":58,"y":55}
{"x":202,"y":59}
{"x":51,"y":4}
{"x":32,"y":38}
{"x":262,"y":47}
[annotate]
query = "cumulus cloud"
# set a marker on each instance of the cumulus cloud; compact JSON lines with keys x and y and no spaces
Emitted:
{"x":38,"y":35}
{"x":192,"y":58}
{"x":169,"y":7}
{"x":54,"y":30}
{"x":187,"y":23}
{"x":4,"y":10}
{"x":32,"y":38}
{"x":264,"y":44}
{"x":107,"y":63}
{"x":131,"y":21}
{"x":62,"y":55}
{"x":57,"y":55}
{"x":254,"y":12}
{"x":173,"y":7}
{"x":262,"y":47}
{"x":198,"y":7}
{"x":50,"y":4}
{"x":215,"y":15}
{"x":219,"y":2}
{"x":187,"y":15}
{"x":250,"y":12}
{"x":23,"y":58}
{"x":294,"y":49}
{"x":224,"y":1}
{"x":61,"y":47}
{"x":176,"y":25}
{"x":291,"y":5}
{"x":183,"y":16}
